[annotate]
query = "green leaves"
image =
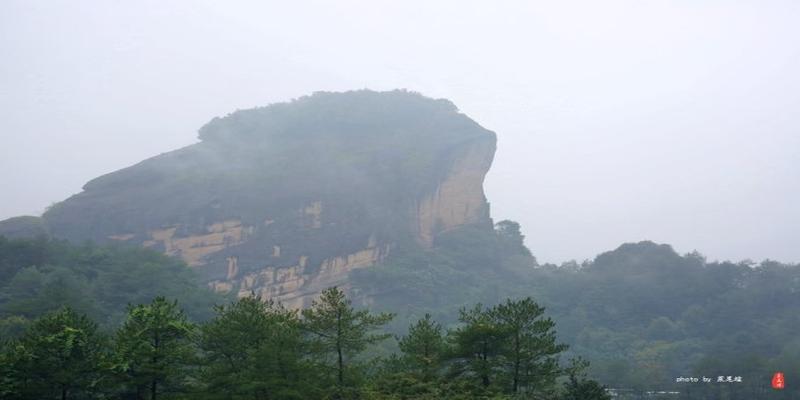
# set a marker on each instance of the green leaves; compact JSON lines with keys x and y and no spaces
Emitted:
{"x":58,"y":356}
{"x":506,"y":350}
{"x":530,"y":353}
{"x":259,"y":350}
{"x":338,"y":333}
{"x":424,"y":347}
{"x":477,"y":344}
{"x":153,"y":350}
{"x":38,"y":276}
{"x":577,"y":387}
{"x":254,"y":349}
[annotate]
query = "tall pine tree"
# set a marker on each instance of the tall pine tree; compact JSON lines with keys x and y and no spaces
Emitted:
{"x":254,"y":350}
{"x":58,"y":357}
{"x":423,"y":348}
{"x":338,"y":333}
{"x":477,"y":345}
{"x":530,"y":352}
{"x":153,"y":350}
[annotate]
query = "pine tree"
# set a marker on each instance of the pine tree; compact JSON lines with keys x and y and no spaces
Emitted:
{"x":153,"y":350}
{"x":254,"y":350}
{"x":530,"y":350}
{"x":339,"y":332}
{"x":423,"y":347}
{"x":577,"y":387}
{"x":59,"y":356}
{"x":477,"y":345}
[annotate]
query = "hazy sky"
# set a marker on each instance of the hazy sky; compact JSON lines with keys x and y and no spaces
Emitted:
{"x":674,"y":121}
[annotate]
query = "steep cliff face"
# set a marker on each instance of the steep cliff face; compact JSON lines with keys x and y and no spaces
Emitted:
{"x":286,"y":200}
{"x":458,"y":199}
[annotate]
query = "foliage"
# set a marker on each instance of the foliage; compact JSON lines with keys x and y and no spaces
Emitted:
{"x":254,"y":350}
{"x":57,"y":357}
{"x":477,"y":345}
{"x":338,"y":333}
{"x":583,"y":389}
{"x":41,"y":275}
{"x":259,"y":350}
{"x":153,"y":350}
{"x":642,"y":314}
{"x":509,"y":348}
{"x":530,"y":351}
{"x":423,"y":348}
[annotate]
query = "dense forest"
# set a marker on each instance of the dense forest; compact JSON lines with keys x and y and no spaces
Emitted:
{"x":447,"y":323}
{"x":643,"y":314}
{"x":41,"y":275}
{"x":253,"y":349}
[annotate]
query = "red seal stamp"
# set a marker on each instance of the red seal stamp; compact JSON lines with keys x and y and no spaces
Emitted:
{"x":777,"y":381}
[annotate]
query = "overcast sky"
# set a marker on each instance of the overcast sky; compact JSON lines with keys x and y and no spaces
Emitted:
{"x":618,"y":121}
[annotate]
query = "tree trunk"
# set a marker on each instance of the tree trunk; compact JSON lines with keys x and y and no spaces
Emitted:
{"x":516,"y":363}
{"x":339,"y":348}
{"x":157,"y":348}
{"x":340,"y":363}
{"x":485,"y":373}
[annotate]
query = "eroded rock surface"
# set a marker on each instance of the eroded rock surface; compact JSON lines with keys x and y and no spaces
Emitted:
{"x":286,"y":200}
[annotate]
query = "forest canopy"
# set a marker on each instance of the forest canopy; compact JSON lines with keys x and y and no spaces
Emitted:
{"x":641,"y":315}
{"x":259,"y":350}
{"x":42,"y":275}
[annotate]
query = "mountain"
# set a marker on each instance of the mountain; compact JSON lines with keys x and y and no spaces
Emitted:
{"x":288,"y":199}
{"x":382,"y":195}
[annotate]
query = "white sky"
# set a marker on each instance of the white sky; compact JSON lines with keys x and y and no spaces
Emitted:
{"x":674,"y":121}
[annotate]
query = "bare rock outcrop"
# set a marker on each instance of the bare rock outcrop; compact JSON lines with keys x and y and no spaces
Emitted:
{"x":286,"y":200}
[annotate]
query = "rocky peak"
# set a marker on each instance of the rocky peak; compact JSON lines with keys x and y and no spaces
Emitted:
{"x":287,"y":199}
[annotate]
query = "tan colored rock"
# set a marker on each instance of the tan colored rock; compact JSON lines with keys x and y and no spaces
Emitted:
{"x":221,"y":286}
{"x":293,"y":286}
{"x":127,"y":236}
{"x":193,"y":249}
{"x":233,"y":267}
{"x":459,"y":199}
{"x":260,"y":246}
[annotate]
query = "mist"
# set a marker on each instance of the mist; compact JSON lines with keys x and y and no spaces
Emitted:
{"x":617,"y":121}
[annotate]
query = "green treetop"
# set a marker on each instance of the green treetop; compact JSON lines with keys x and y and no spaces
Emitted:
{"x":339,"y":332}
{"x":153,"y":349}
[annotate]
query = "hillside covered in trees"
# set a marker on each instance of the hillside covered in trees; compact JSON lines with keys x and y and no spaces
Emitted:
{"x":257,"y":350}
{"x":41,"y":275}
{"x":641,"y":315}
{"x":381,"y":195}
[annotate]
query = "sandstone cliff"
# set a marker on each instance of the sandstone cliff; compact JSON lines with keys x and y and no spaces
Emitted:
{"x":285,"y":200}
